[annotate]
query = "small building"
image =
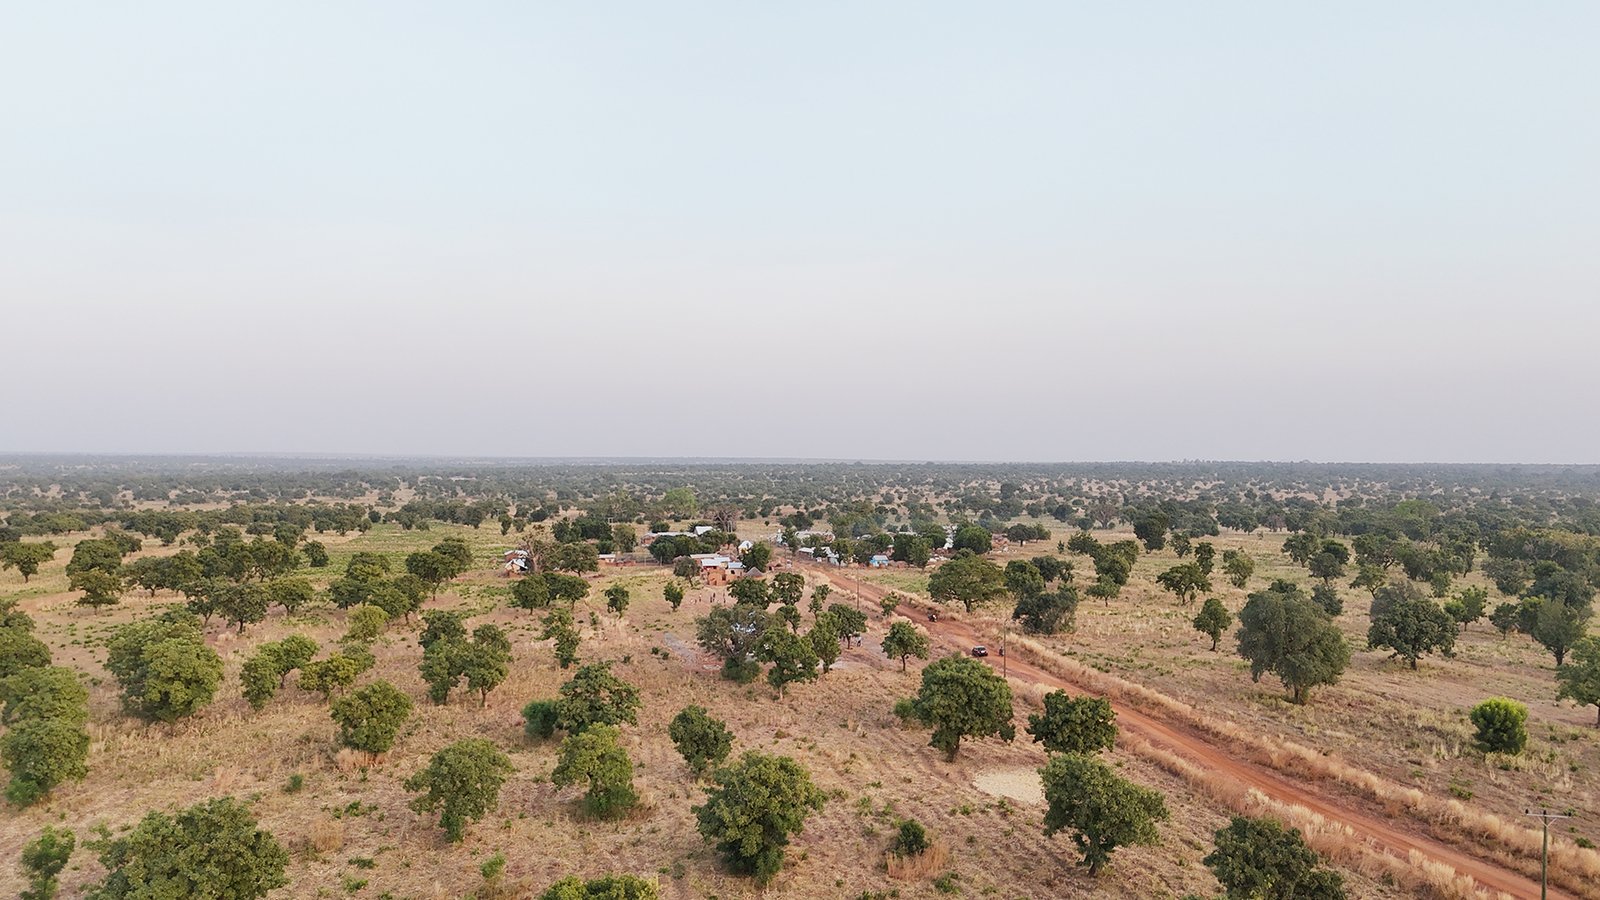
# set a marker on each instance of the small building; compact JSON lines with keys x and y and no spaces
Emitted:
{"x":515,"y":562}
{"x":878,"y":561}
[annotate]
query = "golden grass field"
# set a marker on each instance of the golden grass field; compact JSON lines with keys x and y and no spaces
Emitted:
{"x":351,"y":832}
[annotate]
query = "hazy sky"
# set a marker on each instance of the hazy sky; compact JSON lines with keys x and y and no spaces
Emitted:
{"x":1045,"y":231}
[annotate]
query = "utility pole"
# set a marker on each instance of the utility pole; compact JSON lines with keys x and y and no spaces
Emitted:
{"x":1546,"y":817}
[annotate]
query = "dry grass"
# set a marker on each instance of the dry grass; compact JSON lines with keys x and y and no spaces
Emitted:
{"x":917,"y":867}
{"x":1513,"y":844}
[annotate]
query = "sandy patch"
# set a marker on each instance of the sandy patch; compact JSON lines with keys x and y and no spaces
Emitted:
{"x":1021,"y":785}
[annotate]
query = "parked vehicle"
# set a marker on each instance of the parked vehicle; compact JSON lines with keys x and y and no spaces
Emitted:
{"x":980,"y":650}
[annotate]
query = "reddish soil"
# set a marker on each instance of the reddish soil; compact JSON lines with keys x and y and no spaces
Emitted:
{"x":1396,"y":839}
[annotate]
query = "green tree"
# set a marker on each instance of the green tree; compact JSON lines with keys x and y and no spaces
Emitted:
{"x":104,"y":555}
{"x":672,"y":592}
{"x":973,"y":539}
{"x":164,"y":666}
{"x":1023,"y":579}
{"x":315,"y":553}
{"x":370,"y":717}
{"x":905,"y":640}
{"x":1579,"y":680}
{"x":337,"y":672}
{"x":732,"y":634}
{"x":1327,"y":596}
{"x":484,"y":661}
{"x":44,"y":692}
{"x":462,"y":781}
{"x":1238,"y":566}
{"x":788,"y":588}
{"x":617,"y":599}
{"x":960,"y":697}
{"x":100,"y":587}
{"x":1151,"y":530}
{"x":20,"y":650}
{"x":1205,"y":556}
{"x":1501,"y":724}
{"x":26,"y":558}
{"x":1213,"y":620}
{"x":610,"y":887}
{"x":1184,"y":581}
{"x":41,"y":753}
{"x":753,"y":807}
{"x":1259,"y":859}
{"x":703,"y":741}
{"x":433,"y":568}
{"x":43,"y":858}
{"x":210,"y":851}
{"x":967,"y":579}
{"x":1329,"y":561}
{"x":530,"y":592}
{"x":756,"y":556}
{"x":848,"y":621}
{"x":1284,"y":633}
{"x":1048,"y":613}
{"x":558,"y":627}
{"x":792,"y":657}
{"x":539,"y":719}
{"x":1413,"y":628}
{"x":824,"y":640}
{"x":595,"y":696}
{"x":1069,"y":724}
{"x":1102,"y":810}
{"x":364,"y":625}
{"x":1467,"y":606}
{"x":290,"y":593}
{"x":750,"y":592}
{"x":596,"y":756}
{"x":1556,"y":625}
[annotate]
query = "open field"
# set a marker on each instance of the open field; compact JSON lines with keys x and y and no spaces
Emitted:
{"x":1380,"y":770}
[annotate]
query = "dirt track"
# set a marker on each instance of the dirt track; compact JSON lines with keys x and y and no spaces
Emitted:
{"x":1392,"y":838}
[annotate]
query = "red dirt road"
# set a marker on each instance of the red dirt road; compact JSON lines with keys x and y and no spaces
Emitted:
{"x":1393,"y":838}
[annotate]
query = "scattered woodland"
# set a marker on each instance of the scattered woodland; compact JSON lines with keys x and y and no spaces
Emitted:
{"x":284,"y":677}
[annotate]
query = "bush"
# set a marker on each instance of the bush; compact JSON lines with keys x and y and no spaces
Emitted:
{"x":539,"y":719}
{"x":910,"y":840}
{"x":611,"y":887}
{"x":1501,"y":724}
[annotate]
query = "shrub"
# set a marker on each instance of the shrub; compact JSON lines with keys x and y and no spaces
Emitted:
{"x":1501,"y":724}
{"x":910,"y":840}
{"x":611,"y":887}
{"x":539,"y":719}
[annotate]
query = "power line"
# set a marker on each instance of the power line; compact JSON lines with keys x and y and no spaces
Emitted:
{"x":1545,"y":816}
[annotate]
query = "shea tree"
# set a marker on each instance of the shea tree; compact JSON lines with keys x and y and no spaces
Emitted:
{"x":960,"y":697}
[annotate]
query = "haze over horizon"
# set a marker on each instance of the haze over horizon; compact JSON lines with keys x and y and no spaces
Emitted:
{"x":886,"y":231}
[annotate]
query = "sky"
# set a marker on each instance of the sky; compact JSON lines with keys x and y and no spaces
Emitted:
{"x":1364,"y":231}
